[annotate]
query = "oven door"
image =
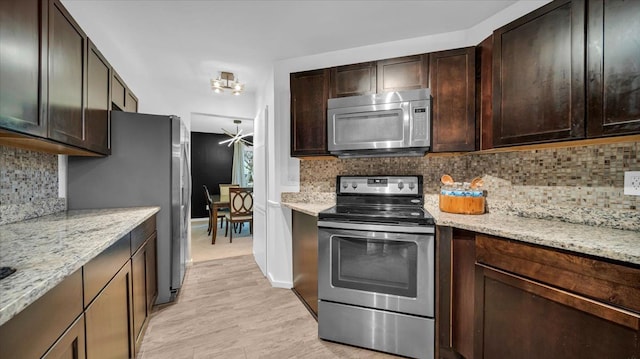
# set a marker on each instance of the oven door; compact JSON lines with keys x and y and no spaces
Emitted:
{"x":377,"y":266}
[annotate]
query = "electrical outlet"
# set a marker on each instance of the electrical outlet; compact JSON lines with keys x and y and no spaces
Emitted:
{"x":632,"y":183}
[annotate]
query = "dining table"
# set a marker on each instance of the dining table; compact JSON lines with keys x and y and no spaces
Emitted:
{"x":214,"y":216}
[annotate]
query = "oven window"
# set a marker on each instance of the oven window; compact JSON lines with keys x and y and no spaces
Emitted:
{"x":381,"y":266}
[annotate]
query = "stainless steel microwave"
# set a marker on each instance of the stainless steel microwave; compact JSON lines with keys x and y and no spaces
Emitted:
{"x":380,"y":125}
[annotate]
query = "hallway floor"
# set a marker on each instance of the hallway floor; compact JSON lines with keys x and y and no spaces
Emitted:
{"x":228,"y":309}
{"x":203,"y":250}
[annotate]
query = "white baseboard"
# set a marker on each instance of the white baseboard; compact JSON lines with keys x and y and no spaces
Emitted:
{"x":279,"y":284}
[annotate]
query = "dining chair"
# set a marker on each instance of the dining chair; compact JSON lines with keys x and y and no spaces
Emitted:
{"x":209,"y":202}
{"x":224,"y":198}
{"x":240,"y":208}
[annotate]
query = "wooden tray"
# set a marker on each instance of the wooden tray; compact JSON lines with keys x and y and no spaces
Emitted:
{"x":461,"y":204}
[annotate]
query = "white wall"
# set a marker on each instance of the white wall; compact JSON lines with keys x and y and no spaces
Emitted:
{"x":287,"y":168}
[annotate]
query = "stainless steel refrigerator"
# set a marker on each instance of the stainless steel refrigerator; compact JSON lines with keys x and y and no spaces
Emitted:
{"x":148,"y":166}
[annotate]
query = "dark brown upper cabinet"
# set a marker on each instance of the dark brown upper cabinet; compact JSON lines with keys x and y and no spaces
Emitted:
{"x":538,"y":76}
{"x":484,"y":93}
{"x":67,"y":77}
{"x":453,"y":88}
{"x":97,"y":112}
{"x":353,"y":80}
{"x":131,"y":102}
{"x":309,"y":95}
{"x":118,"y":92}
{"x":23,"y":27}
{"x":613,"y":68}
{"x":403,"y":73}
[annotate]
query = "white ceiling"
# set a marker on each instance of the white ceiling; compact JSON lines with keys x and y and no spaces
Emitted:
{"x":178,"y":46}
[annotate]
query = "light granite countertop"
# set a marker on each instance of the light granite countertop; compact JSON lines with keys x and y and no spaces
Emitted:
{"x":311,"y":209}
{"x":604,"y":242}
{"x":47,"y":249}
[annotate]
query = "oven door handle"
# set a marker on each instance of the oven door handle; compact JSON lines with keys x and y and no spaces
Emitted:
{"x":377,"y":227}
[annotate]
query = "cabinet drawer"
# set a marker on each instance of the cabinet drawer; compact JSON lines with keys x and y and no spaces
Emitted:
{"x":142,"y":232}
{"x":611,"y":283}
{"x":30,"y":333}
{"x":99,"y":271}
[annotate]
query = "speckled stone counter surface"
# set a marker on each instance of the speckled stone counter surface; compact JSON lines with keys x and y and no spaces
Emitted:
{"x":311,"y":209}
{"x":45,"y":250}
{"x":604,"y":242}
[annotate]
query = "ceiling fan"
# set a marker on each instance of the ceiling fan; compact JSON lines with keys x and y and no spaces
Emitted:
{"x":237,"y":137}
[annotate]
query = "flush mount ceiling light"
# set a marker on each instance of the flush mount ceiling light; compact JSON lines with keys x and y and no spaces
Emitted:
{"x":227,"y":81}
{"x":237,"y":137}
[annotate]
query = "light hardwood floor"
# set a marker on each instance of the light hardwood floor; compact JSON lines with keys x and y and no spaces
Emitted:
{"x":228,"y":309}
{"x":203,"y":250}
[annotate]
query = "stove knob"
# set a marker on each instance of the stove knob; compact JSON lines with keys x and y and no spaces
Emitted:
{"x":412,"y":185}
{"x":400,"y":185}
{"x":345,"y":185}
{"x":354,"y":185}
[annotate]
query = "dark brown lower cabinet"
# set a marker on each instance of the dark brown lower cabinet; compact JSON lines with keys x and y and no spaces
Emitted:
{"x":152,"y":270}
{"x":305,"y":259}
{"x":139,"y":290}
{"x":455,"y":292}
{"x":108,"y":319}
{"x":71,"y":345}
{"x":521,"y":318}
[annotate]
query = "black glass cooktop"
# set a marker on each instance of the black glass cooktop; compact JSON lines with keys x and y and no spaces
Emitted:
{"x":378,"y":214}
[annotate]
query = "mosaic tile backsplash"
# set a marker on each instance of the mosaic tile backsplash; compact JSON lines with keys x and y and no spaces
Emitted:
{"x":582,"y":184}
{"x":28,"y":185}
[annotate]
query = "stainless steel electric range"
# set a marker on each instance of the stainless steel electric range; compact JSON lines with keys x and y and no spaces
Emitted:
{"x":376,"y":266}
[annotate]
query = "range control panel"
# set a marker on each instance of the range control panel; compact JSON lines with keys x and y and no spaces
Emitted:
{"x":383,"y":185}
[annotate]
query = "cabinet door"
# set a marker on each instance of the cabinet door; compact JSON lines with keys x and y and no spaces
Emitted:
{"x":455,"y":266}
{"x":403,"y":73}
{"x":520,"y":318}
{"x":538,"y":76}
{"x":131,"y":102}
{"x":98,"y":101}
{"x":67,"y":80}
{"x":118,"y":92}
{"x":453,"y":88}
{"x":305,"y":259}
{"x":353,"y":80}
{"x":23,"y":25}
{"x":71,"y":345}
{"x":613,"y":68}
{"x":309,"y":95}
{"x":108,"y":319}
{"x":139,"y":290}
{"x":151,"y":272}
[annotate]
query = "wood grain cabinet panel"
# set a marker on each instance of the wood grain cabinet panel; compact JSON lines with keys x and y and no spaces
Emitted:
{"x":537,"y":302}
{"x":109,"y":327}
{"x":309,"y":95}
{"x":139,"y":290}
{"x":353,"y":80}
{"x":453,"y":88}
{"x":613,"y":67}
{"x":521,"y":318}
{"x":71,"y":345}
{"x":151,"y":272}
{"x":97,"y":112}
{"x":403,"y":73}
{"x":118,"y":92}
{"x":305,"y":259}
{"x":67,"y":80}
{"x":22,"y":99}
{"x":538,"y":76}
{"x":131,"y":102}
